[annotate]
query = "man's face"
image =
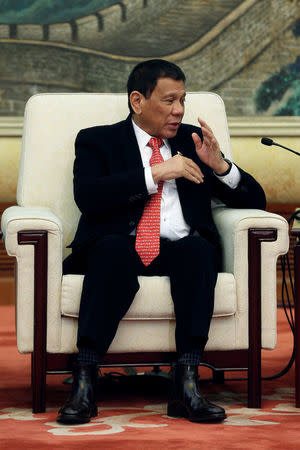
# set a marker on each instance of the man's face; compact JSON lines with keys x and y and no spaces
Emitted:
{"x":161,"y":114}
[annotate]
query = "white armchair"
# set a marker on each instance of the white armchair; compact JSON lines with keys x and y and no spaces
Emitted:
{"x":37,"y":231}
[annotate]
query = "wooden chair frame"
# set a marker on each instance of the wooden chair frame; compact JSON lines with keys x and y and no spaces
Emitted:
{"x":44,"y":363}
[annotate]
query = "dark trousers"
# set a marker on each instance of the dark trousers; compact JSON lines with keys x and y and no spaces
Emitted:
{"x":111,"y":267}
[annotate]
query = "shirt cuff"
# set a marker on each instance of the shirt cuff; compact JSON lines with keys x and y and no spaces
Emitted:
{"x":151,"y":186}
{"x":232,"y":179}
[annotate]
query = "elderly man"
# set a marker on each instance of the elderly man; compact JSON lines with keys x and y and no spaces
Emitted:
{"x":144,"y":188}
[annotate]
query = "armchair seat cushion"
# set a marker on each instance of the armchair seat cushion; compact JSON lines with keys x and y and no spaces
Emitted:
{"x":153,"y":301}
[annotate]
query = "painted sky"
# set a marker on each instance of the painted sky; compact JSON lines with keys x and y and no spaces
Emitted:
{"x":48,"y":11}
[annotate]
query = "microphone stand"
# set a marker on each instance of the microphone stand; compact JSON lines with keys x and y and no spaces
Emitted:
{"x":268,"y":141}
{"x":293,"y":322}
{"x":289,"y":149}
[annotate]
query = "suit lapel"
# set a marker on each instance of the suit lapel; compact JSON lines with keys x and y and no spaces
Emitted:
{"x":175,"y":145}
{"x":130,"y":146}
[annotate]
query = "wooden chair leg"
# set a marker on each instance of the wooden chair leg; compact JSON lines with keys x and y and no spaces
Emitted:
{"x":255,"y":238}
{"x":38,"y":383}
{"x":254,"y":381}
{"x":297,"y":318}
{"x":39,"y":239}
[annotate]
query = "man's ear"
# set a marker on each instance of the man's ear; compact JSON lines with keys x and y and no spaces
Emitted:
{"x":136,"y":99}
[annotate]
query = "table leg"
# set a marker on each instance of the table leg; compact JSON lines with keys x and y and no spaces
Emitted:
{"x":297,"y":322}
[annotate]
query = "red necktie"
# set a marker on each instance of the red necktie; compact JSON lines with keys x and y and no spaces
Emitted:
{"x":147,"y":233}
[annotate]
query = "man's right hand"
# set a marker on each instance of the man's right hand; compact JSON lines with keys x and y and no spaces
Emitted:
{"x":176,"y":167}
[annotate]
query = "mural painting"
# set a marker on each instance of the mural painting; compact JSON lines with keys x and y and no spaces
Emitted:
{"x":245,"y":50}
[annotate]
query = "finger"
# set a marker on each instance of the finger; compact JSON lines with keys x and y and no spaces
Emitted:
{"x":189,"y":162}
{"x":209,"y":141}
{"x":194,"y":168}
{"x":203,"y":124}
{"x":193,"y":174}
{"x":197,"y":140}
{"x":190,"y":176}
{"x":207,"y":133}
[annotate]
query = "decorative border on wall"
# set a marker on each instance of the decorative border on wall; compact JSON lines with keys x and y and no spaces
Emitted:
{"x":263,"y":125}
{"x":238,"y":126}
{"x":11,"y":126}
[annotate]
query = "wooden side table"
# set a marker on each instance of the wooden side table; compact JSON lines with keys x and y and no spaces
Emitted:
{"x":296,"y":232}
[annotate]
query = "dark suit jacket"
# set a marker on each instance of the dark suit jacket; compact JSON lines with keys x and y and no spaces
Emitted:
{"x":110,"y":189}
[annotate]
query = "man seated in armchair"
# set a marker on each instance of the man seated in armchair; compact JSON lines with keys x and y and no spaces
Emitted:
{"x":144,"y":187}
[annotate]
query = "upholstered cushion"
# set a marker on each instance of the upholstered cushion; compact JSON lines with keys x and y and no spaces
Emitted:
{"x":153,"y":300}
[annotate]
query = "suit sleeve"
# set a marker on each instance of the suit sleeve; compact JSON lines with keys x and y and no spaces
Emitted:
{"x":248,"y":193}
{"x":99,"y":190}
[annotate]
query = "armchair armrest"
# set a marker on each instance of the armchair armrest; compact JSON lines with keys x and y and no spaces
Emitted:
{"x":17,"y":218}
{"x":233,"y":226}
{"x":15,"y":221}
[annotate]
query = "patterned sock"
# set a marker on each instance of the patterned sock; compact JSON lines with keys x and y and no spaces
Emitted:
{"x":192,"y":357}
{"x":87,"y":356}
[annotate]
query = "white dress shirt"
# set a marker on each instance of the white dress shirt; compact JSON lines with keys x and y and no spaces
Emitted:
{"x":172,"y":223}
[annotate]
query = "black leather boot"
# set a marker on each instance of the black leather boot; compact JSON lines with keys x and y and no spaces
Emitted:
{"x":81,"y":405}
{"x":185,"y":399}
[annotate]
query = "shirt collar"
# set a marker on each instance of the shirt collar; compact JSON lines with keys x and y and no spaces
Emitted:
{"x":143,"y":137}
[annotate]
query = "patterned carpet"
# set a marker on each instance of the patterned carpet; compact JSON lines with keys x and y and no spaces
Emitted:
{"x":132,"y":410}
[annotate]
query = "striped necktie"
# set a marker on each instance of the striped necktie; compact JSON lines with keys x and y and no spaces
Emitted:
{"x":147,"y":233}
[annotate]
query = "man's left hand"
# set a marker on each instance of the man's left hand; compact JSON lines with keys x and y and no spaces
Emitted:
{"x":209,"y":150}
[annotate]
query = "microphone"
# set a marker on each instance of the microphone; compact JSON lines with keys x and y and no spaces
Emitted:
{"x":268,"y":141}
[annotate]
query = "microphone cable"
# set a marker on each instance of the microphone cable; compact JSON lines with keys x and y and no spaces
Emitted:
{"x":286,"y":302}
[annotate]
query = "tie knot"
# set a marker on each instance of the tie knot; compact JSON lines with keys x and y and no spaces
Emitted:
{"x":155,"y":143}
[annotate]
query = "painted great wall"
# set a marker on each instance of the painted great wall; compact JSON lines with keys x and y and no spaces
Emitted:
{"x":126,"y":28}
{"x":90,"y":30}
{"x":232,"y":51}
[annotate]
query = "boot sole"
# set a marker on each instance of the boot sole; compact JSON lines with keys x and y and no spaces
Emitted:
{"x":76,"y":420}
{"x":178,"y":411}
{"x":216,"y":418}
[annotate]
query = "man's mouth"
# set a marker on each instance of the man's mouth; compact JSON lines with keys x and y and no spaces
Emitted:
{"x":174,"y":124}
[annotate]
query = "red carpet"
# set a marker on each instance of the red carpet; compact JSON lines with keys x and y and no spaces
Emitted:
{"x":132,"y":418}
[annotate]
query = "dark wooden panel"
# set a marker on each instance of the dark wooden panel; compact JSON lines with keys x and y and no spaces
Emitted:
{"x":229,"y":360}
{"x":296,"y":233}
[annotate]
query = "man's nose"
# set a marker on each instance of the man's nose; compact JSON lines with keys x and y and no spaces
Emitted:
{"x":178,"y":108}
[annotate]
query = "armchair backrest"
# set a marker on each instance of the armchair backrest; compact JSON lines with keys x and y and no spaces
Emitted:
{"x":51,"y":124}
